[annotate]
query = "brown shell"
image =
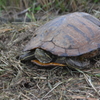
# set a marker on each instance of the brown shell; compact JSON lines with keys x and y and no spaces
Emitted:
{"x":68,"y":35}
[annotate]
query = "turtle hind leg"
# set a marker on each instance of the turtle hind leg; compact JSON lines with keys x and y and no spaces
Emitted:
{"x":76,"y":63}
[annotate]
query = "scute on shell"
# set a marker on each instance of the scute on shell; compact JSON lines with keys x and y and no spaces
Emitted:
{"x":68,"y":35}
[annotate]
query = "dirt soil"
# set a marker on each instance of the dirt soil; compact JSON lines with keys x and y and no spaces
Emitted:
{"x":20,"y":81}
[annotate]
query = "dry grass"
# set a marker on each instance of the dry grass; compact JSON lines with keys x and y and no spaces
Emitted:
{"x":30,"y":82}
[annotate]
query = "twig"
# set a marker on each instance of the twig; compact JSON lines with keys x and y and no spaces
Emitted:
{"x":51,"y":90}
{"x":88,"y":79}
{"x":25,"y":96}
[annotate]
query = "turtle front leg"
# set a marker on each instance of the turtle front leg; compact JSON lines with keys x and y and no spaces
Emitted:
{"x":76,"y":63}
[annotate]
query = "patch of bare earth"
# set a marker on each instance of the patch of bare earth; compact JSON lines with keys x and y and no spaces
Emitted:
{"x":20,"y":81}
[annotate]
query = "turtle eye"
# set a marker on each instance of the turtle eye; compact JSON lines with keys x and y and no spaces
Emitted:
{"x":42,"y":56}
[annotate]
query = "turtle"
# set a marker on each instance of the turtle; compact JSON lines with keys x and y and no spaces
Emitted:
{"x":68,"y":40}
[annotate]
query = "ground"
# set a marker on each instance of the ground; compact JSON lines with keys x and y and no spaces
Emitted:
{"x":20,"y":81}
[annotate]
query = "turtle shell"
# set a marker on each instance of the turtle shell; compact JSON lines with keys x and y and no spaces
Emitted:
{"x":73,"y":34}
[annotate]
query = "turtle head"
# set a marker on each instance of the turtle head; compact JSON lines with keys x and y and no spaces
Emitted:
{"x":27,"y":56}
{"x":39,"y":54}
